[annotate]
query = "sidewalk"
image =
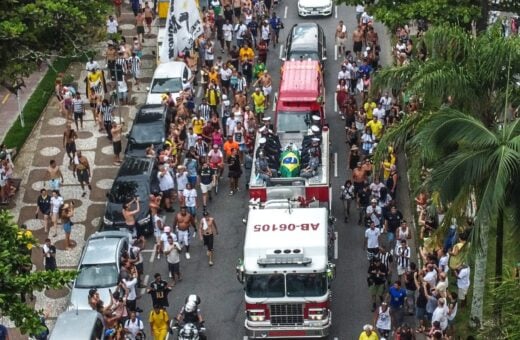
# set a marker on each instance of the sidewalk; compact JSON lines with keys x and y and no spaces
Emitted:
{"x":45,"y":143}
{"x":8,"y":103}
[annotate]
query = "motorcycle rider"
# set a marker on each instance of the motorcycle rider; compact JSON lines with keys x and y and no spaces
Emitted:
{"x":190,"y":312}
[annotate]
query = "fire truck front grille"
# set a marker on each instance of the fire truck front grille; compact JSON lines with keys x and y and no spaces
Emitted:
{"x":286,"y":314}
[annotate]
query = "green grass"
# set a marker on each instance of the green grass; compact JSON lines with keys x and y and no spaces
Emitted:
{"x":17,"y":135}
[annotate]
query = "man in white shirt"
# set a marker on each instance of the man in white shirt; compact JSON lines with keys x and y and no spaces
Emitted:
{"x":133,"y":326}
{"x":374,"y":213}
{"x":111,"y":25}
{"x":380,"y":113}
{"x":227,"y":30}
{"x":440,"y":314}
{"x":463,"y":276}
{"x":386,"y":101}
{"x":360,"y":9}
{"x":172,"y":251}
{"x":431,"y":275}
{"x":372,"y":240}
{"x":166,"y":185}
{"x":190,"y":199}
{"x":130,"y":283}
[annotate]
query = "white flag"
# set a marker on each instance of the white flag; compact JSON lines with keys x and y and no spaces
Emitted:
{"x":183,"y":27}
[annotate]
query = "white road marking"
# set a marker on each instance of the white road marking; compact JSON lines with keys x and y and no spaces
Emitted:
{"x":145,"y":282}
{"x":335,"y":164}
{"x":335,"y":52}
{"x":274,"y":100}
{"x":336,"y":12}
{"x":152,"y":257}
{"x":335,"y":102}
{"x":336,"y":248}
{"x":285,"y":13}
{"x":281,"y":51}
{"x":147,"y":250}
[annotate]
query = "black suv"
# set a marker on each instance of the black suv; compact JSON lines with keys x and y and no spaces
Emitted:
{"x":137,"y":177}
{"x":306,"y":41}
{"x":148,"y":128}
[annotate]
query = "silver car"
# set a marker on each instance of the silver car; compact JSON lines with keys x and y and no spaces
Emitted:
{"x":307,"y":8}
{"x":79,"y":325}
{"x":99,"y":267}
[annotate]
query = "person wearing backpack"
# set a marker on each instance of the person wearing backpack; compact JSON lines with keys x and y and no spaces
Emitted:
{"x":134,"y":327}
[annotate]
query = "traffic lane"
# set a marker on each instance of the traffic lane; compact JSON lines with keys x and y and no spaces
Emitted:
{"x":221,"y":294}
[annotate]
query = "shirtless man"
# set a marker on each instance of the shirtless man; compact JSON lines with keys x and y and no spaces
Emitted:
{"x":357,"y":38}
{"x":116,"y":141}
{"x":358,"y":178}
{"x":372,"y":37}
{"x":183,"y":221}
{"x":69,"y":141}
{"x":129,"y":215}
{"x":267,"y":85}
{"x":240,"y":98}
{"x":82,"y":170}
{"x":341,"y":37}
{"x":207,"y":231}
{"x":54,"y":176}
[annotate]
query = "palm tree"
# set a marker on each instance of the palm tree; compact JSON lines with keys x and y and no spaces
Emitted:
{"x":478,"y":149}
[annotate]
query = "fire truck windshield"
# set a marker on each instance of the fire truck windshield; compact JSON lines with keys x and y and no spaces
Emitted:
{"x":310,"y":284}
{"x":292,"y":285}
{"x":265,"y":286}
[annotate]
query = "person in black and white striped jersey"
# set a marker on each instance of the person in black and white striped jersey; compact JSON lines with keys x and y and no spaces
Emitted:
{"x":386,"y":258}
{"x":135,"y":68}
{"x":205,"y":110}
{"x":106,"y":113}
{"x":78,"y":108}
{"x":402,"y":253}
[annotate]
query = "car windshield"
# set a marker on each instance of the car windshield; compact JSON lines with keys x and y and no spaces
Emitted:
{"x":265,"y":286}
{"x":123,"y":191}
{"x":97,"y":276}
{"x":311,"y":284}
{"x":151,"y":133}
{"x":163,"y":85}
{"x":303,"y":55}
{"x":293,"y":121}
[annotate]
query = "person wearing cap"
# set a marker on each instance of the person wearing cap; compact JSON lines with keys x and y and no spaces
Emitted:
{"x":259,"y":102}
{"x":368,"y":333}
{"x":207,"y":230}
{"x":383,"y":321}
{"x":183,"y":221}
{"x":374,"y":213}
{"x":372,"y":240}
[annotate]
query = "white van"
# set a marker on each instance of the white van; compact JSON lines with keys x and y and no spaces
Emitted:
{"x":168,"y":77}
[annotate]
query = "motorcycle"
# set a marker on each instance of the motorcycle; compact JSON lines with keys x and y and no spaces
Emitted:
{"x":190,"y":331}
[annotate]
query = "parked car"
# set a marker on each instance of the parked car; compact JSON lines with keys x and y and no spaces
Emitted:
{"x":308,"y":8}
{"x":99,"y":267}
{"x":79,"y":325}
{"x":148,"y":129}
{"x":137,"y":177}
{"x":168,"y":77}
{"x":306,"y":41}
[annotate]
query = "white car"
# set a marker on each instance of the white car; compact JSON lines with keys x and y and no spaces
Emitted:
{"x":170,"y":77}
{"x":308,"y":8}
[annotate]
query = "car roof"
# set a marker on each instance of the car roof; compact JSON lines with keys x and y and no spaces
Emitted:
{"x":150,"y":114}
{"x":304,"y":36}
{"x":170,"y":69}
{"x":103,"y":248}
{"x":75,"y":324}
{"x":135,"y":166}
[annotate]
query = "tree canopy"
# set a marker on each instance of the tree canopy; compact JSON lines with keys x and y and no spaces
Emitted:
{"x":36,"y":30}
{"x":437,"y":12}
{"x":16,"y":278}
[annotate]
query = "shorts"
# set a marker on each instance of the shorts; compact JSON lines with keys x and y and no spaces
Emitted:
{"x":167,"y":193}
{"x":242,"y":147}
{"x":259,"y":109}
{"x":67,"y":227}
{"x":234,"y":174}
{"x":267,"y":90}
{"x":140,"y":29}
{"x":78,"y":115}
{"x":183,"y":237}
{"x":174,"y":268}
{"x":192,"y":180}
{"x":70,"y":147}
{"x":160,"y":333}
{"x":136,"y":73}
{"x":341,"y":42}
{"x":54,"y":184}
{"x":208,"y":241}
{"x":225,"y":83}
{"x":358,"y":45}
{"x":122,"y":95}
{"x":192,"y":211}
{"x":82,"y":176}
{"x":205,"y":188}
{"x":462,"y":292}
{"x":117,"y":147}
{"x":148,"y":20}
{"x":420,"y":313}
{"x":377,"y":290}
{"x":401,"y":270}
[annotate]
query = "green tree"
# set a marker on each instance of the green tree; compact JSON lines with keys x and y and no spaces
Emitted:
{"x":463,"y":132}
{"x":14,"y":281}
{"x":35,"y":30}
{"x":437,"y":12}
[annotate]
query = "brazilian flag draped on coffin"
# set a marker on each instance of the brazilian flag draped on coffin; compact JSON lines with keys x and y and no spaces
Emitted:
{"x":290,"y":163}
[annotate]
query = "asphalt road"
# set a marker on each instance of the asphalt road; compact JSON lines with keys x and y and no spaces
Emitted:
{"x":222,"y":296}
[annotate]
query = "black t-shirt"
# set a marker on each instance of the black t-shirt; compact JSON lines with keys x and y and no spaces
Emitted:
{"x":394,"y":221}
{"x":44,"y":204}
{"x":410,"y":282}
{"x":160,"y":292}
{"x":206,"y":175}
{"x":364,"y":198}
{"x":377,"y":274}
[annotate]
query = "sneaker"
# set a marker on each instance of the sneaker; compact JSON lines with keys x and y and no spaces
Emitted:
{"x":210,"y":263}
{"x":170,"y":275}
{"x":188,"y":256}
{"x":231,"y":193}
{"x":158,"y":256}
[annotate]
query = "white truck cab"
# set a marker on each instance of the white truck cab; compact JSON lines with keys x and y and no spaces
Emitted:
{"x":286,"y":272}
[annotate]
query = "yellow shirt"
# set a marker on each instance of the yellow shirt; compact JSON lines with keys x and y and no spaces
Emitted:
{"x":258,"y":99}
{"x":159,"y":320}
{"x":213,"y":76}
{"x":197,"y":125}
{"x":246,"y":53}
{"x":369,"y":109}
{"x":372,"y":336}
{"x":386,"y":168}
{"x":376,"y":127}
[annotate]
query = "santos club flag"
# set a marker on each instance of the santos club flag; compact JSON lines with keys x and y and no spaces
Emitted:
{"x":183,"y":26}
